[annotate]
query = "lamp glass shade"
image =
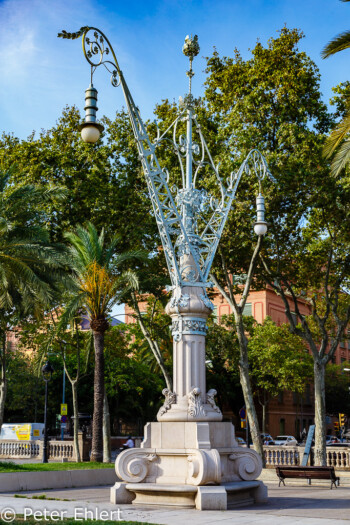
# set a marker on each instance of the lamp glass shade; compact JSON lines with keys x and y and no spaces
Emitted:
{"x":47,"y":370}
{"x":260,"y":228}
{"x":90,"y":134}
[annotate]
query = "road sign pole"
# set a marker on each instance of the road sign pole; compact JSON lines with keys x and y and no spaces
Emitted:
{"x":247,"y":431}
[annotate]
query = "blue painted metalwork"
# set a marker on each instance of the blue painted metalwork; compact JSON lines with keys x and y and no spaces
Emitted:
{"x":177,"y":211}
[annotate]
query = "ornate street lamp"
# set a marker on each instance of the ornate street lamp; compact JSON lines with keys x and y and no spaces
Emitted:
{"x":190,"y":223}
{"x":46,"y":371}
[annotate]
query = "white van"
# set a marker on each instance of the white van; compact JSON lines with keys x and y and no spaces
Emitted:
{"x":22,"y":431}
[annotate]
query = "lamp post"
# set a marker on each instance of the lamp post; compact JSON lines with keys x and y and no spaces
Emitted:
{"x":190,"y":222}
{"x":63,"y":389}
{"x":46,"y":371}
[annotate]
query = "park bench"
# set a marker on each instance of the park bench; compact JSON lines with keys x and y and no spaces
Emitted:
{"x":308,"y":473}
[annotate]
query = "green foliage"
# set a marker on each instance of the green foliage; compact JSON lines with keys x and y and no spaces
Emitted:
{"x":23,"y":404}
{"x":337,"y":389}
{"x":157,"y":323}
{"x":104,"y":181}
{"x":133,"y":386}
{"x":279,"y":359}
{"x":96,"y":269}
{"x":31,"y":268}
{"x":270,"y":102}
{"x":337,"y":145}
{"x":222,"y":354}
{"x":8,"y":466}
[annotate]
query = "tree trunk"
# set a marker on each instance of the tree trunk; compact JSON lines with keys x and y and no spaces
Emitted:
{"x":97,"y":435}
{"x":320,"y":413}
{"x":264,"y":418}
{"x":76,"y":420}
{"x":247,"y":387}
{"x":3,"y":381}
{"x":251,"y":412}
{"x":106,"y":432}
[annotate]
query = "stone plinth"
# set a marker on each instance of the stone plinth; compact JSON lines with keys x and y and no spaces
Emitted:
{"x":183,"y":463}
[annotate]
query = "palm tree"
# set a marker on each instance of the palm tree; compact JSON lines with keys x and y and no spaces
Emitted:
{"x":338,"y":136}
{"x":31,"y":268}
{"x":100,"y":285}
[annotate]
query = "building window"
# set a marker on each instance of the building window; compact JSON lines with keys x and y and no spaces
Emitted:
{"x":282,"y":426}
{"x":280,"y":396}
{"x":247,"y":309}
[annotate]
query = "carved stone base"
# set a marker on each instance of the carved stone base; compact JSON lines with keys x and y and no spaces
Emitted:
{"x":178,"y":461}
{"x":207,"y":497}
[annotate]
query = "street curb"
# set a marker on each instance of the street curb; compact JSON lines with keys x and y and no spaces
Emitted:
{"x":20,"y":481}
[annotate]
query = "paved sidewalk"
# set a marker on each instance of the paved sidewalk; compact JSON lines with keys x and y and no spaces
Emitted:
{"x":286,"y":505}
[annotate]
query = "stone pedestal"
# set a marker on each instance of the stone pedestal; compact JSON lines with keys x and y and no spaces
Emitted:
{"x":191,"y":464}
{"x":190,"y":458}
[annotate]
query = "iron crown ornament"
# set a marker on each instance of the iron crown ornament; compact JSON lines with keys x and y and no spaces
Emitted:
{"x":190,"y":220}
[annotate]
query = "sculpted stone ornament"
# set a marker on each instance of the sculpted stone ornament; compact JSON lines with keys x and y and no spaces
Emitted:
{"x":247,"y":464}
{"x":211,"y":401}
{"x":195,"y":405}
{"x":170,"y":399}
{"x":133,"y":465}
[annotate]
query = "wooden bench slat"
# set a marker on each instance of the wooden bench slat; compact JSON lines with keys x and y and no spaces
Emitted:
{"x":308,"y":473}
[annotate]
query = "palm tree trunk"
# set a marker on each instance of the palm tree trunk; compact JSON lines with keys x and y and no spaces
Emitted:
{"x":320,"y":413}
{"x":99,"y":390}
{"x":76,"y":420}
{"x":3,"y":380}
{"x":106,"y":432}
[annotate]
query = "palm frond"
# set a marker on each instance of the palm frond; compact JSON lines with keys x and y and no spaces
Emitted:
{"x":341,"y":159}
{"x":339,"y":43}
{"x":337,"y":136}
{"x":70,"y":311}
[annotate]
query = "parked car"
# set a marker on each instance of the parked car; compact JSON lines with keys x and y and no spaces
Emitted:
{"x":240,"y":441}
{"x":267,"y":439}
{"x":341,"y":445}
{"x":332,"y":439}
{"x":285,"y":441}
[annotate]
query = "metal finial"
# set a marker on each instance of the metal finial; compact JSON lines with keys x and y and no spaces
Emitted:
{"x":190,"y":49}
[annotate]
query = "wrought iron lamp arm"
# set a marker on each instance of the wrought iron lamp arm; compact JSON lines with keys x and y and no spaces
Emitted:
{"x":178,"y":230}
{"x":165,"y":210}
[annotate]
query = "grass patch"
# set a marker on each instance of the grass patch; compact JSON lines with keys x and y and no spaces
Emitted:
{"x":41,"y":496}
{"x":9,"y":466}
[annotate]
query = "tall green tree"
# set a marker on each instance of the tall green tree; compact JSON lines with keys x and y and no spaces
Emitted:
{"x":279,"y":361}
{"x":104,"y":181}
{"x":100,"y":284}
{"x":272,"y":102}
{"x":31,"y":268}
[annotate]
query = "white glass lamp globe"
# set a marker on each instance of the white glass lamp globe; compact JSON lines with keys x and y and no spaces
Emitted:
{"x":90,"y":134}
{"x":260,"y":228}
{"x":90,"y":131}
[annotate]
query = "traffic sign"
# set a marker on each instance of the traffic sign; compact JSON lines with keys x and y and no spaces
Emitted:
{"x":63,"y":425}
{"x":242,"y":413}
{"x":63,"y":419}
{"x":64,"y":409}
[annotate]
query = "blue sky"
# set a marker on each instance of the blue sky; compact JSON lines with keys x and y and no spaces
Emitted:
{"x":40,"y":74}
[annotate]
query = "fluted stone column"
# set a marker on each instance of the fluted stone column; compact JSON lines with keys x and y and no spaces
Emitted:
{"x":189,"y":309}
